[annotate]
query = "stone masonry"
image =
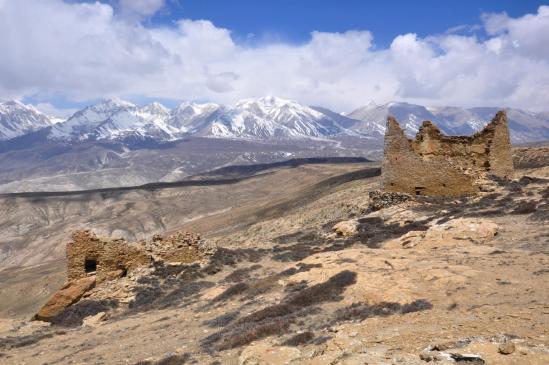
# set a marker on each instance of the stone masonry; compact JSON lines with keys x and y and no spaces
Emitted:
{"x":436,"y":164}
{"x":95,"y":261}
{"x":109,"y":259}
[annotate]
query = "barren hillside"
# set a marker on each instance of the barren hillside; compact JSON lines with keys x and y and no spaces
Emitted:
{"x":444,"y":280}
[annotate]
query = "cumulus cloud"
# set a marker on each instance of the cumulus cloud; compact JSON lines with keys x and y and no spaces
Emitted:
{"x":138,"y":9}
{"x":86,"y":51}
{"x":50,"y":109}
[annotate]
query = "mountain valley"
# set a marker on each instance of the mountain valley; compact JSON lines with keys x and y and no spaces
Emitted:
{"x":284,"y":286}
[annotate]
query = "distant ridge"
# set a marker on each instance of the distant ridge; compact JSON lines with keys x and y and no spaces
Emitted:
{"x":243,"y":171}
{"x":261,"y":119}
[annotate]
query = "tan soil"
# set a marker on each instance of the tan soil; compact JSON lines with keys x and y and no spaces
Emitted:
{"x":481,"y":292}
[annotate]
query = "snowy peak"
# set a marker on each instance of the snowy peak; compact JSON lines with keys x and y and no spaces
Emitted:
{"x":277,"y":109}
{"x":155,"y":109}
{"x":114,"y":119}
{"x":270,"y":118}
{"x":191,"y":117}
{"x":17,"y":119}
{"x":265,"y":118}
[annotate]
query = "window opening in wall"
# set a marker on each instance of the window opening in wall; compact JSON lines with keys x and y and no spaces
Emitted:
{"x":419,"y":189}
{"x":90,"y":265}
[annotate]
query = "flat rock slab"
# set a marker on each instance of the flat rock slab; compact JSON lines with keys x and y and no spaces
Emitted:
{"x":67,"y":295}
{"x":454,"y":232}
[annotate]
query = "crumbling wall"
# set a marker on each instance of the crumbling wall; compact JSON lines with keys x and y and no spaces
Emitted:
{"x":180,"y":247}
{"x":112,"y":258}
{"x":436,"y":164}
{"x":92,"y":259}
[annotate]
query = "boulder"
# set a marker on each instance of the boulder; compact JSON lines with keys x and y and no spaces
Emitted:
{"x":67,"y":295}
{"x":346,"y":228}
{"x":95,"y":320}
{"x":506,"y":348}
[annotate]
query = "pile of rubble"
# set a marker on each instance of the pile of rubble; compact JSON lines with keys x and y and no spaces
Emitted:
{"x":105,"y":268}
{"x":380,"y":199}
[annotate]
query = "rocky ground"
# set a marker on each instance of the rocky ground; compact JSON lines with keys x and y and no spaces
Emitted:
{"x":456,"y":280}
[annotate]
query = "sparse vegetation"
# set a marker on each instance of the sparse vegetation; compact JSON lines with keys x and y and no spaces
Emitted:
{"x":362,"y":311}
{"x":73,"y":315}
{"x":276,"y":319}
{"x":299,"y":339}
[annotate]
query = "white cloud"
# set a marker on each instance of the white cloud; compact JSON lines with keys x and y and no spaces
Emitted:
{"x":137,"y":9}
{"x":51,"y":110}
{"x":86,"y":51}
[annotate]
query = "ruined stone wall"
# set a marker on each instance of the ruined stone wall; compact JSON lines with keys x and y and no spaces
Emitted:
{"x":180,"y":247}
{"x":112,"y":257}
{"x":115,"y":257}
{"x":435,"y":164}
{"x":501,"y":156}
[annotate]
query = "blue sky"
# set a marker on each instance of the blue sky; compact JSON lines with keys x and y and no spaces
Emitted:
{"x":64,"y":54}
{"x":294,"y":20}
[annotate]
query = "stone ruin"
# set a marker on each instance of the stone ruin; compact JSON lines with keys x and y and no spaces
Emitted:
{"x":440,"y":165}
{"x":92,"y":260}
{"x":110,"y":259}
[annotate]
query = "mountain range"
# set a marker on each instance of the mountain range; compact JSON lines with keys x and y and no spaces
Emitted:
{"x":261,"y":119}
{"x":116,"y":143}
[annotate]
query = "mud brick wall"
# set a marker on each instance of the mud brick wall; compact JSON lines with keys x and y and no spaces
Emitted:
{"x":111,"y":258}
{"x":436,"y":164}
{"x":180,"y":247}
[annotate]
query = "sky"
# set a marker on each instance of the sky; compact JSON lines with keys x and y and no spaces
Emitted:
{"x":62,"y":55}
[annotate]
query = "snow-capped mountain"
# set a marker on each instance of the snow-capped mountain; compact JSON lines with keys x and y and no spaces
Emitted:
{"x":268,"y":118}
{"x":114,"y":119}
{"x":253,"y":119}
{"x":262,"y":119}
{"x":17,"y":119}
{"x":524,"y":126}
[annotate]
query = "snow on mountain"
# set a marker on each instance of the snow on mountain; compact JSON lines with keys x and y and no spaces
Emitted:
{"x":114,"y":119}
{"x":192,"y":117}
{"x":524,"y":126}
{"x":254,"y":119}
{"x":17,"y":119}
{"x":266,"y":118}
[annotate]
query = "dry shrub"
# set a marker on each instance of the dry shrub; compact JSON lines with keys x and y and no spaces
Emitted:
{"x":239,"y":275}
{"x":276,"y":319}
{"x":10,"y":342}
{"x":362,"y":311}
{"x":525,"y":207}
{"x":222,"y":320}
{"x":249,"y":333}
{"x":299,"y":339}
{"x":231,"y":292}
